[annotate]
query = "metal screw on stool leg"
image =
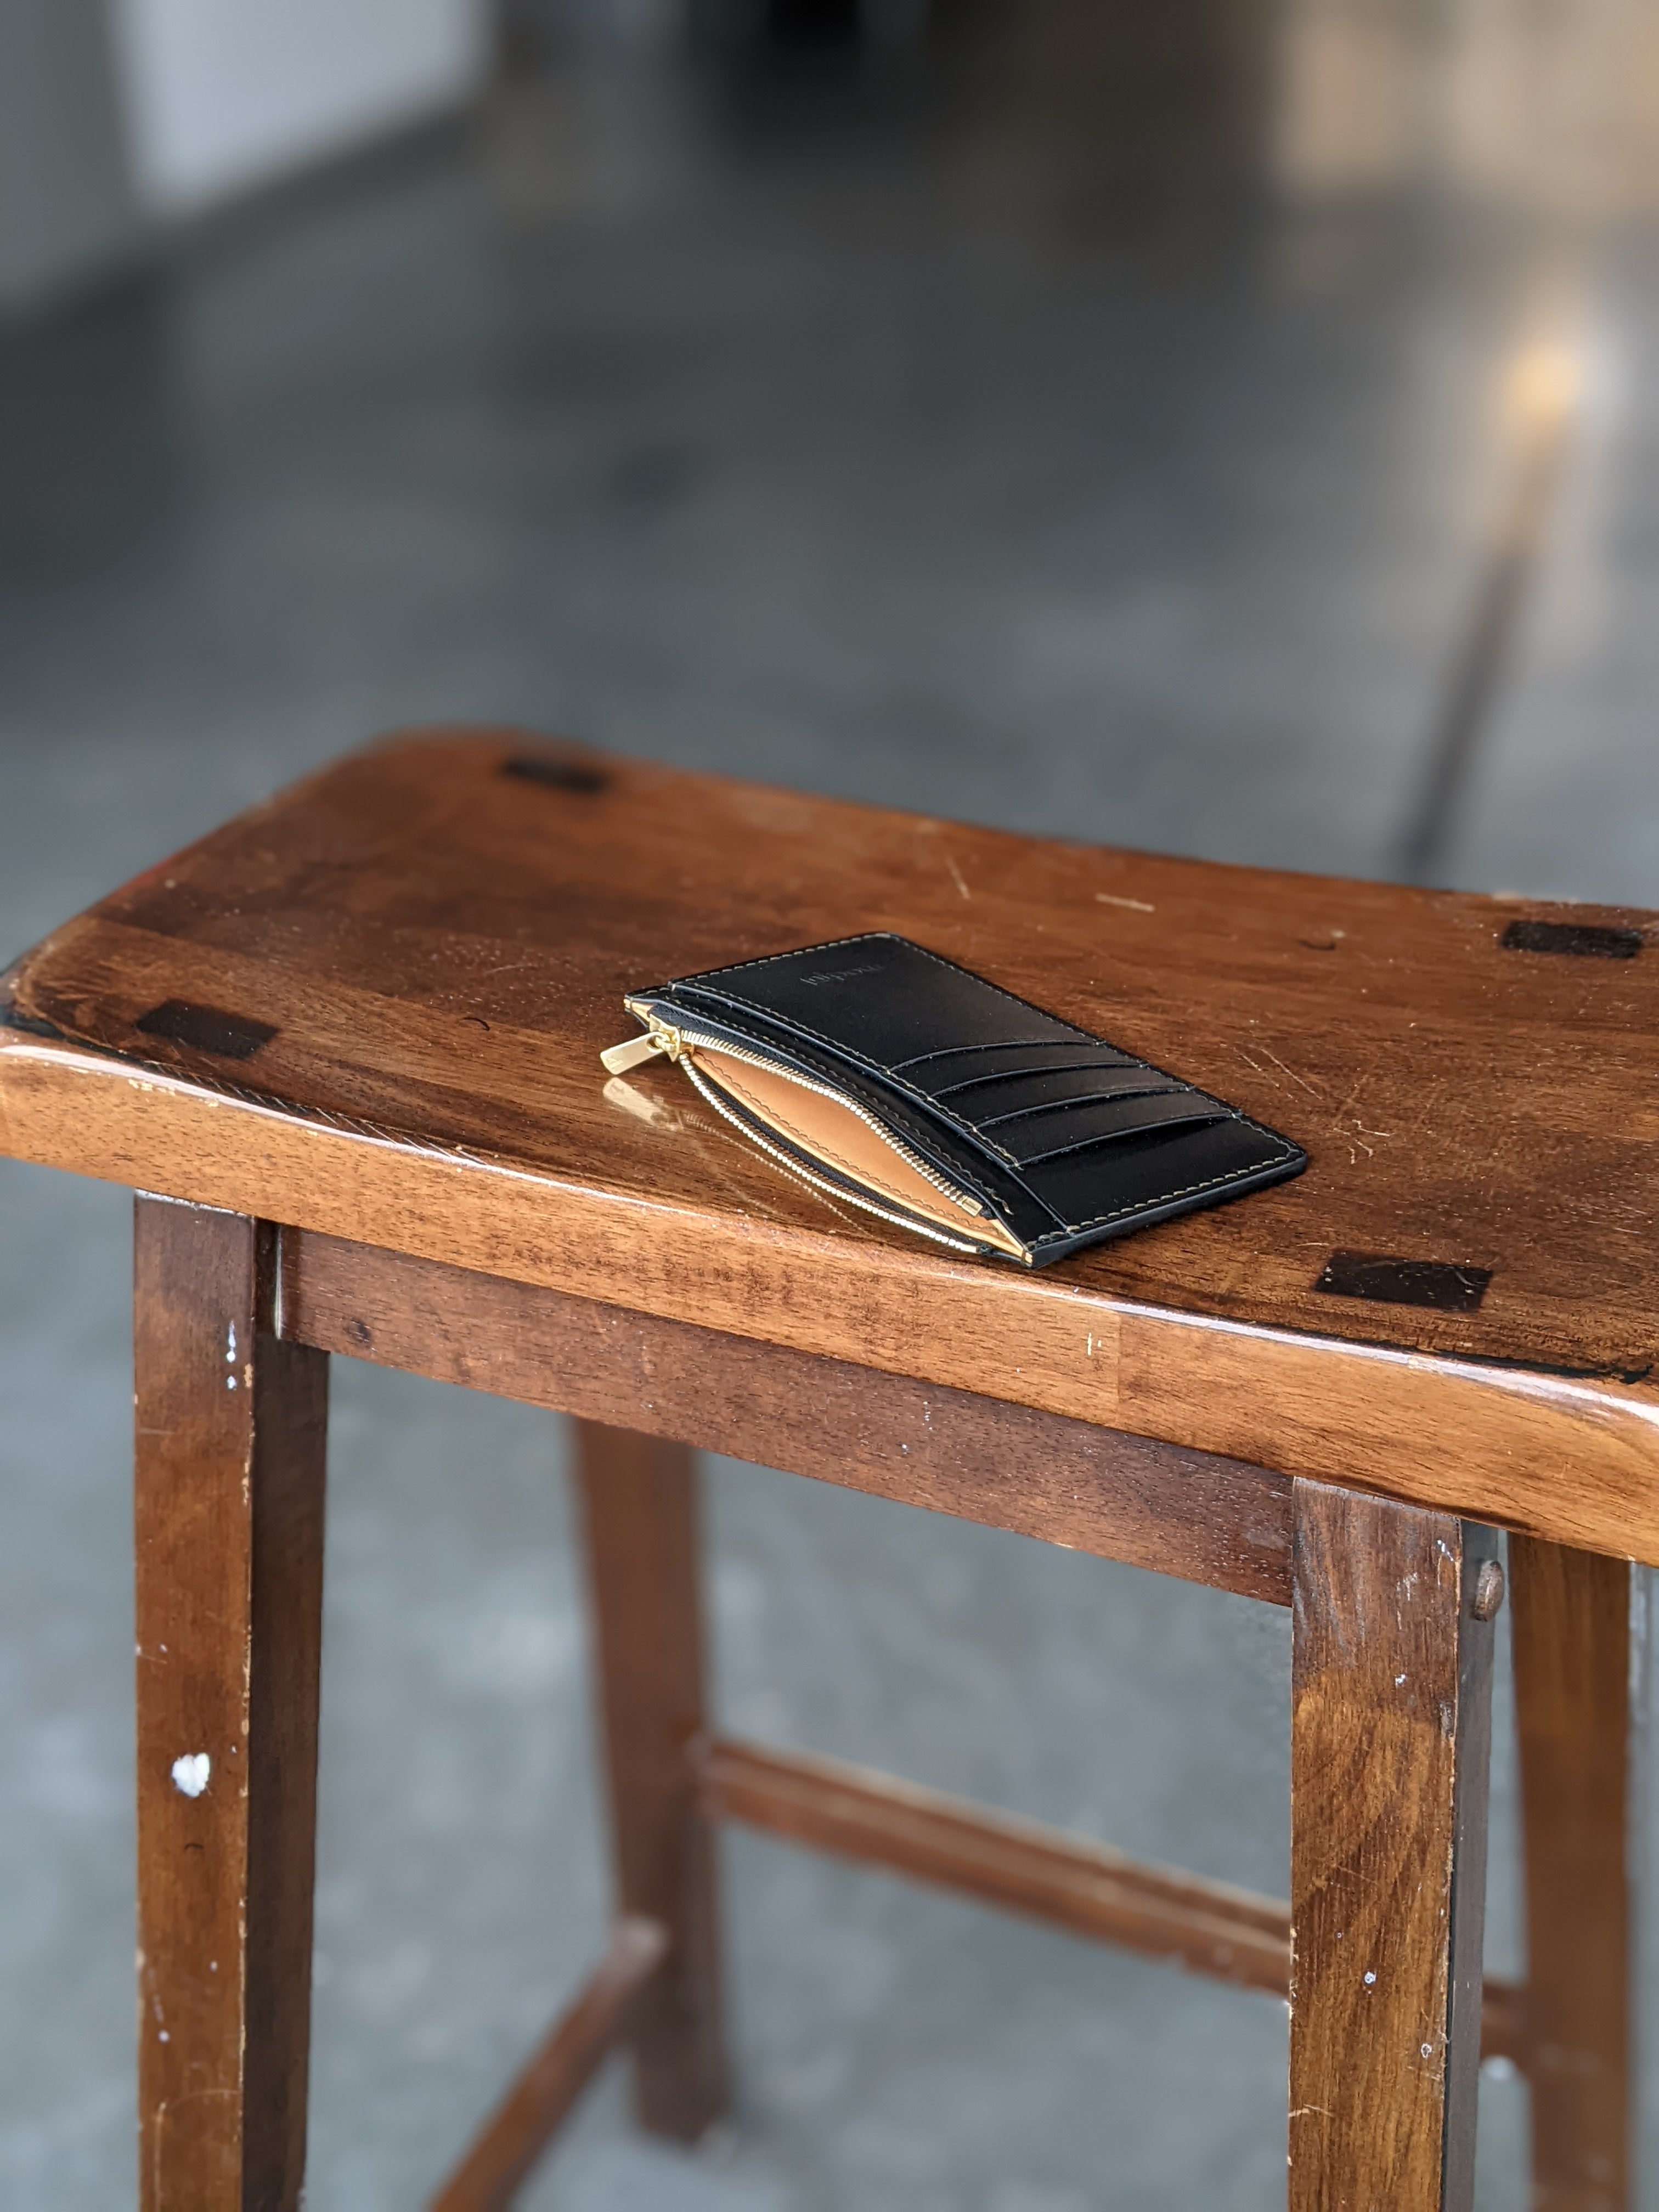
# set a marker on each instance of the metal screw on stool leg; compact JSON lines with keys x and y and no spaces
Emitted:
{"x":1488,"y":1591}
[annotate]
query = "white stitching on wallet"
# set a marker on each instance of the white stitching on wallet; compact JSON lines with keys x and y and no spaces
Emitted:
{"x":925,"y":1098}
{"x":887,"y":1075}
{"x":1147,"y":1204}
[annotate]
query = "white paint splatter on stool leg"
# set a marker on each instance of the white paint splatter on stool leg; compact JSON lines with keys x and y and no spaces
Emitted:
{"x":190,"y":1772}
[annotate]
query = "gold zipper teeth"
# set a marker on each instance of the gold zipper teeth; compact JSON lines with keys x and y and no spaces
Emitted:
{"x":679,"y":1038}
{"x":912,"y":1222}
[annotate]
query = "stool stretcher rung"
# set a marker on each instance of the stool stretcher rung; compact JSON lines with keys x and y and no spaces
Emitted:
{"x":1209,"y":1927}
{"x":539,"y":2101}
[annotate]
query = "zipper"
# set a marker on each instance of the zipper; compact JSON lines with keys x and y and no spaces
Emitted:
{"x":837,"y":1191}
{"x":619,"y":1058}
{"x":679,"y":1044}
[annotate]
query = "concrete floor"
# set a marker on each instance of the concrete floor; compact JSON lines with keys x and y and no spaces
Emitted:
{"x":1086,"y":432}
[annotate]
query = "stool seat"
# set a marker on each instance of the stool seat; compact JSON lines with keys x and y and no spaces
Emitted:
{"x":347,"y":1050}
{"x":373,"y":1008}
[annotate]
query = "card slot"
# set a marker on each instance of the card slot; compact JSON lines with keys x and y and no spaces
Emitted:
{"x":875,"y":997}
{"x":1049,"y":1091}
{"x":1051,"y":1136}
{"x":1099,"y":1063}
{"x":937,"y":1072}
{"x":1159,"y":1168}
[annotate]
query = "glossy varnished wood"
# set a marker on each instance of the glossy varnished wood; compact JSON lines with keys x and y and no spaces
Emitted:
{"x":540,"y":2100}
{"x":1572,"y":1669}
{"x":1391,"y":1741}
{"x":640,"y":1514}
{"x":439,"y":949}
{"x":1125,"y":1498}
{"x":230,"y":1430}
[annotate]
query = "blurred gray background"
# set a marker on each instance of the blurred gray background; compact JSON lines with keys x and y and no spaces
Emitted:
{"x":1227,"y":427}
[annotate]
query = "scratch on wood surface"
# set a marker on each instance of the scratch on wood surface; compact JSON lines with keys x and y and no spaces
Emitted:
{"x":1312,"y":1091}
{"x":1136,"y":906}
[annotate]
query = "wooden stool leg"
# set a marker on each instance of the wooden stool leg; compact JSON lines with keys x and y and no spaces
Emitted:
{"x":1389,"y":1754}
{"x":229,"y":1464}
{"x":639,"y":1496}
{"x":1572,"y":1702}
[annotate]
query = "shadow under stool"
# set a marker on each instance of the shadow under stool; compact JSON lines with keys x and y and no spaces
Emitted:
{"x":347,"y":1050}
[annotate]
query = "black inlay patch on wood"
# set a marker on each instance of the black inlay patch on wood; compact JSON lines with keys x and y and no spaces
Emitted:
{"x":1583,"y":940}
{"x":1404,"y":1282}
{"x":206,"y":1029}
{"x":560,"y":774}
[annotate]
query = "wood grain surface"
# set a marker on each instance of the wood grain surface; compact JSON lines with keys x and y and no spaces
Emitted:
{"x":1391,"y":1741}
{"x":1211,"y":1927}
{"x":1071,"y":1881}
{"x":440,"y":947}
{"x":230,"y":1449}
{"x":1572,"y":1669}
{"x":639,"y":1515}
{"x":507,"y":2146}
{"x":1094,"y":1490}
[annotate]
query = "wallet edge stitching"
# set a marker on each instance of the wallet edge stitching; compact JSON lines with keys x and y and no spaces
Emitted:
{"x":1288,"y":1148}
{"x":886,"y":1074}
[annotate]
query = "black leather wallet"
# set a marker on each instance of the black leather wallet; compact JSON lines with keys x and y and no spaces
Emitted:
{"x":899,"y":1082}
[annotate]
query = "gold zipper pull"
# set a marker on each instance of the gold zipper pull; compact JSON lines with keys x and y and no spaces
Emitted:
{"x":660,"y":1037}
{"x":621,"y":1057}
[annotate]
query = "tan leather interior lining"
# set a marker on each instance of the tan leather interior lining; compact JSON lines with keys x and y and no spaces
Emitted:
{"x":830,"y":1133}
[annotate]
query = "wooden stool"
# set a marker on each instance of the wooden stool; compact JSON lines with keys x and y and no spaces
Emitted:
{"x":350,"y":1044}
